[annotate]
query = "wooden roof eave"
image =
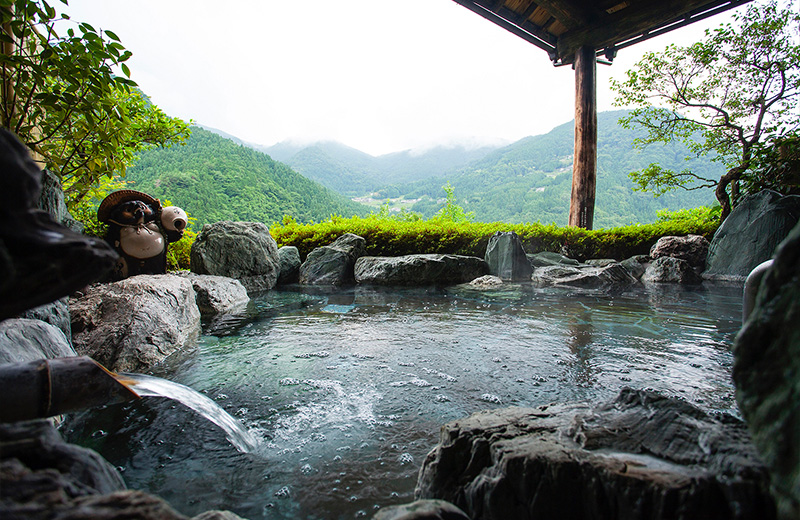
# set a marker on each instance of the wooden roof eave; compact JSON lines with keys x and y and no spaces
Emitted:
{"x":628,"y":24}
{"x":635,"y":24}
{"x":527,"y":32}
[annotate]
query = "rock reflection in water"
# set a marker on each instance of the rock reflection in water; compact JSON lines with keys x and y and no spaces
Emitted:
{"x":347,"y":390}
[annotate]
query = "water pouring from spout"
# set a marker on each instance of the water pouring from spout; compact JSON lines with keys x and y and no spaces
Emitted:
{"x":49,"y":387}
{"x":150,"y":386}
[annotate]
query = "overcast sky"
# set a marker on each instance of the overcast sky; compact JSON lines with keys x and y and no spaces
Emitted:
{"x":378,"y":75}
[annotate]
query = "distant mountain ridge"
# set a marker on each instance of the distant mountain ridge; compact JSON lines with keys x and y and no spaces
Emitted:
{"x":531,"y":179}
{"x":353,"y":173}
{"x":526,"y":181}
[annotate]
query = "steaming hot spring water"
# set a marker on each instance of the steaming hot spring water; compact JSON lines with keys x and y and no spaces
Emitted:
{"x":339,"y":394}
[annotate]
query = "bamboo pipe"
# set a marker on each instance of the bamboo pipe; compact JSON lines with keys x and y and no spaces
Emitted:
{"x":48,"y":387}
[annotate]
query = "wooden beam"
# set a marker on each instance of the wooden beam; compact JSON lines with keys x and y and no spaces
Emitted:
{"x":529,"y":11}
{"x":495,"y":5}
{"x":565,"y":12}
{"x":687,"y":19}
{"x":478,"y":8}
{"x":523,"y":23}
{"x":627,"y":23}
{"x":584,"y":162}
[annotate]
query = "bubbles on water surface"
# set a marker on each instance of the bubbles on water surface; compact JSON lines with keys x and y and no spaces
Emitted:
{"x":308,"y":355}
{"x":405,"y":458}
{"x":491,"y":398}
{"x":394,"y":386}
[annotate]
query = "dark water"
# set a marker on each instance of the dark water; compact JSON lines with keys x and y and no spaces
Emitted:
{"x":346,"y":391}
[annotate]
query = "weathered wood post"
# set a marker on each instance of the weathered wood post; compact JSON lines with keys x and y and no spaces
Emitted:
{"x":584,"y":163}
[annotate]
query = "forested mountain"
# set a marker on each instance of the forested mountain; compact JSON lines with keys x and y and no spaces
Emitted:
{"x":215,"y":179}
{"x":338,"y":167}
{"x":353,"y":173}
{"x":531,"y":180}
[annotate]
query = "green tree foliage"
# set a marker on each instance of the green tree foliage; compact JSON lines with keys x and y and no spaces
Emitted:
{"x":451,"y":211}
{"x":213,"y":179}
{"x":62,"y":97}
{"x":724,"y":96}
{"x":531,"y":180}
{"x":776,"y":166}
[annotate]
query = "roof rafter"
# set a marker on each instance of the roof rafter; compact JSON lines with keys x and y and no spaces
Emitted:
{"x":638,"y":22}
{"x":564,"y":12}
{"x":541,"y":41}
{"x":564,"y":26}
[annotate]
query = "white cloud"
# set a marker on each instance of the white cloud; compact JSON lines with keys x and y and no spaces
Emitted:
{"x":378,"y":75}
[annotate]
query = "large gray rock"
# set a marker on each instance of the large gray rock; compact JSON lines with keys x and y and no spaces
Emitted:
{"x":289,"y":258}
{"x":612,"y":277}
{"x":41,"y":475}
{"x":217,"y":294}
{"x":766,"y":372}
{"x":667,"y":269}
{"x":22,"y":339}
{"x":486,"y":282}
{"x":51,"y":200}
{"x":40,"y":260}
{"x":130,"y":325}
{"x":750,"y":234}
{"x":44,"y":478}
{"x":430,"y":269}
{"x":600,"y":262}
{"x":640,"y":456}
{"x":636,"y":265}
{"x":506,"y":257}
{"x":333,"y":264}
{"x":692,"y":248}
{"x":217,"y":515}
{"x":421,"y":510}
{"x":548,"y":258}
{"x":55,"y":313}
{"x":242,"y":250}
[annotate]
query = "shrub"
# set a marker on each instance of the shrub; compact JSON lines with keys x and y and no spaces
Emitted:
{"x":392,"y":237}
{"x":179,"y":253}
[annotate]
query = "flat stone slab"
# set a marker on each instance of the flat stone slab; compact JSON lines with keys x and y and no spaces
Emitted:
{"x":428,"y":269}
{"x":610,"y":277}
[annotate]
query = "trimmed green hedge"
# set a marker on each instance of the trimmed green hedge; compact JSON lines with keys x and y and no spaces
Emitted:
{"x":391,"y":237}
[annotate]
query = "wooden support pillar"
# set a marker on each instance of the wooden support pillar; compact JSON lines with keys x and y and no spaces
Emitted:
{"x":584,"y":163}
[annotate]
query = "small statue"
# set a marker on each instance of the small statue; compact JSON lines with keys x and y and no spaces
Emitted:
{"x":139,"y":229}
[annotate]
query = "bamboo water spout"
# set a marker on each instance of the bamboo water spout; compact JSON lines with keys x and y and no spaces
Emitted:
{"x":48,"y":387}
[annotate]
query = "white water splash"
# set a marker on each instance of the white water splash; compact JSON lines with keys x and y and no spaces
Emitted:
{"x":150,"y":386}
